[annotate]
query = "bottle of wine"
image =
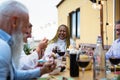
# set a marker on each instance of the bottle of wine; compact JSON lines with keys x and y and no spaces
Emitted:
{"x":74,"y":68}
{"x":99,"y":62}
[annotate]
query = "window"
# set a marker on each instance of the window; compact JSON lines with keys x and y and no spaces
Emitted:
{"x":75,"y":24}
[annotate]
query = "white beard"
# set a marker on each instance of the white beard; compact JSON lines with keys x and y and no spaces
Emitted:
{"x":17,"y":47}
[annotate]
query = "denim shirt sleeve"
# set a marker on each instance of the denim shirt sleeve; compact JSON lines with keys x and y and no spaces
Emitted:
{"x":27,"y":74}
{"x":5,"y":57}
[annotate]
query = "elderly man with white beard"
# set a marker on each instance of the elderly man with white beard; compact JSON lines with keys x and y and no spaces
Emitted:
{"x":14,"y":20}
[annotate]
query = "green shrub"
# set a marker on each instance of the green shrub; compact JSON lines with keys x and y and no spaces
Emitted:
{"x":27,"y":49}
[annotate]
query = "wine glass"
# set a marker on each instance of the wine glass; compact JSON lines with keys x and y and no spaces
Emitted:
{"x":83,"y":60}
{"x":114,"y":61}
{"x":61,"y":51}
{"x":61,"y":54}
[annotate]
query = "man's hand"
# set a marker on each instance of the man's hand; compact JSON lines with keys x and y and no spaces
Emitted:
{"x":48,"y":67}
{"x":43,"y":43}
{"x":41,"y":47}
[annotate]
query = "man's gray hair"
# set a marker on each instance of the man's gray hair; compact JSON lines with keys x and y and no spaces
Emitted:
{"x":12,"y":7}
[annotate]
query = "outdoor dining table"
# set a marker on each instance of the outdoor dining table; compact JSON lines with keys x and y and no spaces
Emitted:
{"x":88,"y":75}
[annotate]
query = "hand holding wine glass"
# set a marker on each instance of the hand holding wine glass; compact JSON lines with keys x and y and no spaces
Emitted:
{"x":55,"y":49}
{"x":59,"y":51}
{"x":59,"y":57}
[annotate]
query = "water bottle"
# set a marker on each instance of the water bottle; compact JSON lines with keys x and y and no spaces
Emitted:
{"x":99,"y":65}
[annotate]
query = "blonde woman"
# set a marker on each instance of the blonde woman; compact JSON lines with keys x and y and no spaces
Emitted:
{"x":61,"y":41}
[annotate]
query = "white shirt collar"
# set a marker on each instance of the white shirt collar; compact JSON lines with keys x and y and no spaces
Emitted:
{"x":60,"y":40}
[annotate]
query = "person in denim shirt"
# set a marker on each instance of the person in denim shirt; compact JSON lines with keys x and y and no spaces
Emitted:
{"x":14,"y":21}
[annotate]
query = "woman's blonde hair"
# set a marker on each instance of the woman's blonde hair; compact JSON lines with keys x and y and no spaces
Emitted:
{"x":67,"y":37}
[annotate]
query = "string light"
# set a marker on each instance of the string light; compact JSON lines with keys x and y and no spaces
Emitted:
{"x":97,"y":4}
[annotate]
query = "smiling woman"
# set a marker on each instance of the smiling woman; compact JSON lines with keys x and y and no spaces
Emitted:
{"x":43,"y":16}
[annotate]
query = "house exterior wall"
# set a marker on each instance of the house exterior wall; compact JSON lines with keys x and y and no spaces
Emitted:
{"x":89,"y":20}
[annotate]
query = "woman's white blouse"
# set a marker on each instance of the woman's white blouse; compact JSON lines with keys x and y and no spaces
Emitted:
{"x":61,"y":44}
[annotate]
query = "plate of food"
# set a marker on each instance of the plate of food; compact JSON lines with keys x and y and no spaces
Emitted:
{"x":50,"y":77}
